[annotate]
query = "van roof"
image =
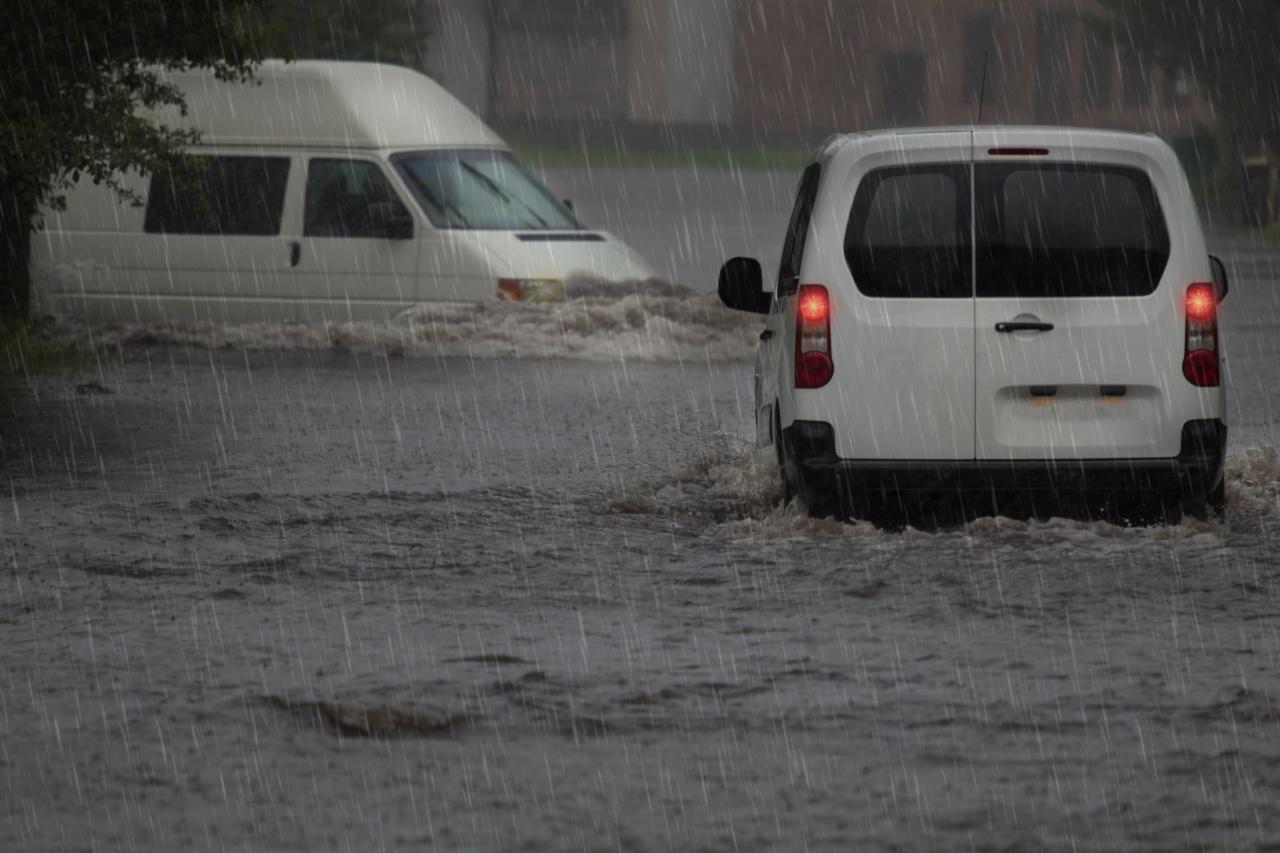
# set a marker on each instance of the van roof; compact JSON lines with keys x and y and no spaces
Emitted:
{"x":326,"y":104}
{"x":1050,"y":131}
{"x":1050,"y":135}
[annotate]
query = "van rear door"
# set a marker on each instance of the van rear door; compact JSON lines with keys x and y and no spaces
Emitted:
{"x":902,"y":316}
{"x":1077,"y":335}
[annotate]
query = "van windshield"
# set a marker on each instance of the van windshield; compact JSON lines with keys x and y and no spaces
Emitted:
{"x":480,"y":189}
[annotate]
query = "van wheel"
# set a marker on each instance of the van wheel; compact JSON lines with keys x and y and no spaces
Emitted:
{"x":1214,"y":503}
{"x":817,"y":503}
{"x":788,"y":488}
{"x":1217,"y":499}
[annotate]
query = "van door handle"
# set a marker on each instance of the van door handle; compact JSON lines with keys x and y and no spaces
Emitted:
{"x":295,"y":253}
{"x":1020,"y":326}
{"x":766,"y":334}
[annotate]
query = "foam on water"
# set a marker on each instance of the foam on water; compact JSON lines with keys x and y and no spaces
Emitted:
{"x":737,"y":489}
{"x":598,"y":321}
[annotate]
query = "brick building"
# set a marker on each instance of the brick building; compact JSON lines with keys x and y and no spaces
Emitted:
{"x":785,"y":69}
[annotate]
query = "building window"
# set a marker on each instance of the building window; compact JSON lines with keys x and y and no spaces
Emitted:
{"x":1177,"y":86}
{"x":1134,"y":80}
{"x":1053,"y":67}
{"x":580,"y":17}
{"x":979,"y":50}
{"x":1098,"y":82}
{"x":903,"y":78}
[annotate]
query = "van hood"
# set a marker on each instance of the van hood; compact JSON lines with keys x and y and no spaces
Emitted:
{"x":563,"y":255}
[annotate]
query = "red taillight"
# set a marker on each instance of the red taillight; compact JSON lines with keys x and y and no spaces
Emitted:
{"x":814,"y":307}
{"x":1201,"y":368}
{"x":1201,"y":301}
{"x":813,"y":337}
{"x":1200,"y":359}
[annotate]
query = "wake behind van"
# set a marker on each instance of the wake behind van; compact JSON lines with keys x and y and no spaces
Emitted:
{"x":324,"y":191}
{"x":998,"y":319}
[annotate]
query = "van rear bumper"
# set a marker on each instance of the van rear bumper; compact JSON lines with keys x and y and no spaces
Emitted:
{"x":814,"y":470}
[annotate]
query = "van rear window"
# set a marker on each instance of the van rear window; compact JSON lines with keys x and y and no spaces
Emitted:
{"x":1048,"y":230}
{"x":221,"y":195}
{"x":1067,"y":230}
{"x":908,"y":236}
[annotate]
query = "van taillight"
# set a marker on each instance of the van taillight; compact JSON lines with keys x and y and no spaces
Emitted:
{"x":813,"y":337}
{"x":1200,"y":361}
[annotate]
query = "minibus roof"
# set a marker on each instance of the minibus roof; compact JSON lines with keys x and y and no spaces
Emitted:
{"x":313,"y":104}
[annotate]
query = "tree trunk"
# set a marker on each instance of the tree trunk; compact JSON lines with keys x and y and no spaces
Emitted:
{"x":16,"y":213}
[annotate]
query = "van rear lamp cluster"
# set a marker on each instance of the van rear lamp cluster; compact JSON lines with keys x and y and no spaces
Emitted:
{"x":813,"y":336}
{"x":1200,"y":359}
{"x":530,"y":290}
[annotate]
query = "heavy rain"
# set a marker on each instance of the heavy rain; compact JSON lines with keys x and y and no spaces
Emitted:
{"x":385,"y":470}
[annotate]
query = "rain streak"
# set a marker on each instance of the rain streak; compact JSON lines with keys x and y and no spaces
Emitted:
{"x":393,"y":474}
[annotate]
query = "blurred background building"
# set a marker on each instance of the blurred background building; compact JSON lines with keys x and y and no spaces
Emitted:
{"x":771,"y":72}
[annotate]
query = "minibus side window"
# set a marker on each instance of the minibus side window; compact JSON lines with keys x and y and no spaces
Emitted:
{"x":219,"y":195}
{"x":342,"y":195}
{"x":908,"y":234}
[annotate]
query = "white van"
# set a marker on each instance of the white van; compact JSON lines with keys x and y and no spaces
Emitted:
{"x":995,"y":319}
{"x":327,"y":191}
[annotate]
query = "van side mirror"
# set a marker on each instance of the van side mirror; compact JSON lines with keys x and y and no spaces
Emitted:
{"x":741,"y":286}
{"x":390,"y":220}
{"x":1219,"y":276}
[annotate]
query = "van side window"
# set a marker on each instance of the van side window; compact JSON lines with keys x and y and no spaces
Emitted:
{"x":908,"y":235}
{"x":798,"y":231}
{"x":1068,"y":230}
{"x":221,"y":195}
{"x":342,"y":195}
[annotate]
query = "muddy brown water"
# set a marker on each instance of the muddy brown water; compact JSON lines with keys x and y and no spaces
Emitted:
{"x":336,"y":600}
{"x":364,"y":589}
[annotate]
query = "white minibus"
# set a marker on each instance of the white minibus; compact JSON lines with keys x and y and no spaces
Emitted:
{"x":321,"y":191}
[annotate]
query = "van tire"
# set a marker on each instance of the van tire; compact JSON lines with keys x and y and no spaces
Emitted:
{"x":789,"y":490}
{"x":1217,"y":499}
{"x":1213,"y":504}
{"x":816,"y":503}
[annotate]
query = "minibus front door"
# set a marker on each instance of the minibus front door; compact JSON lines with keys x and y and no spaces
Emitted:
{"x":358,"y":256}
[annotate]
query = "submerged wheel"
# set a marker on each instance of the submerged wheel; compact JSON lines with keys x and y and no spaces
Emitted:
{"x":1215,"y":501}
{"x":789,"y":491}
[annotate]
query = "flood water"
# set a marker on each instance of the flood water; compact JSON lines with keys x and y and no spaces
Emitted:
{"x":294,"y":595}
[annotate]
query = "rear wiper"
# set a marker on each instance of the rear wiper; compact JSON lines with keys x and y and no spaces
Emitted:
{"x":501,"y":193}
